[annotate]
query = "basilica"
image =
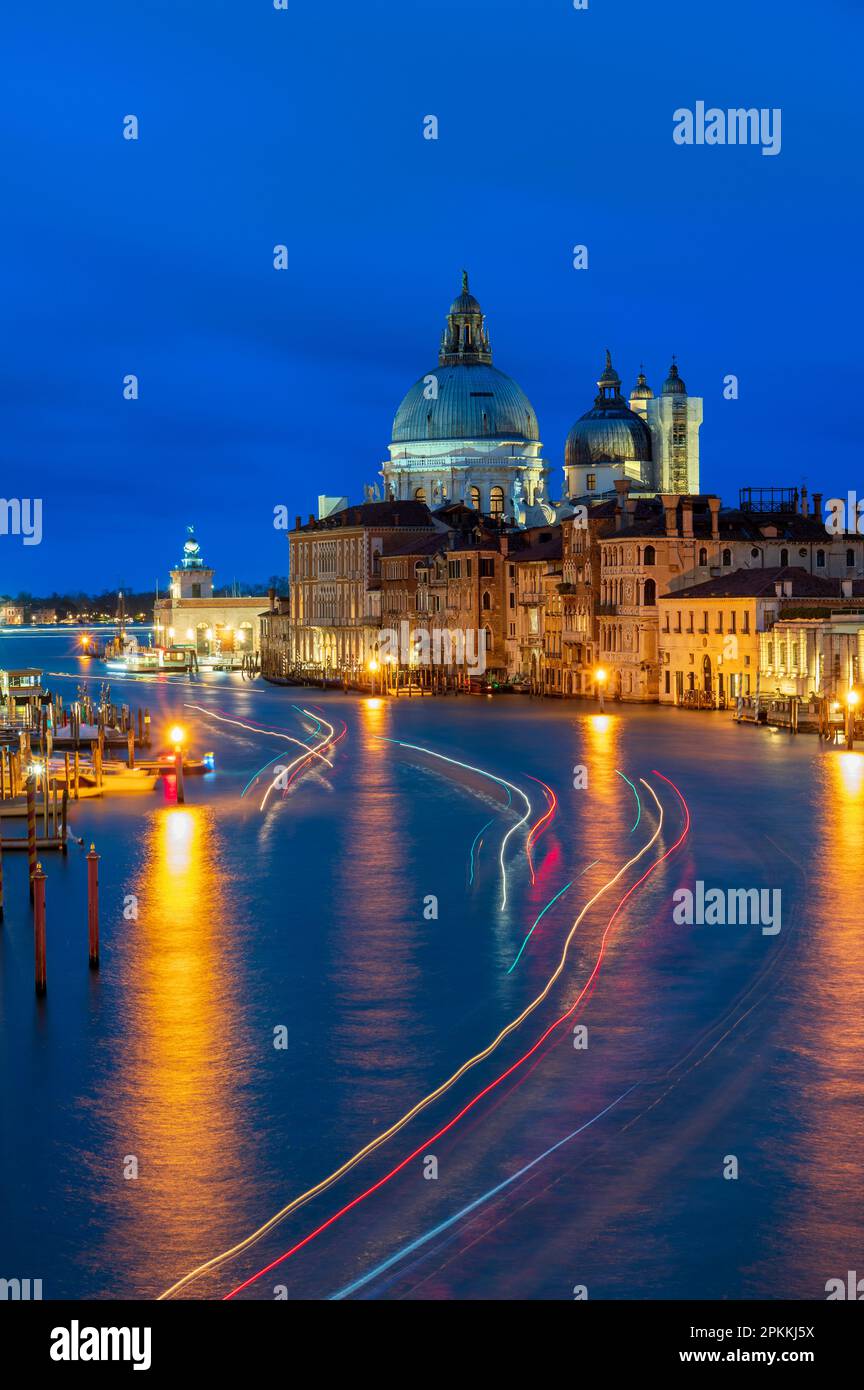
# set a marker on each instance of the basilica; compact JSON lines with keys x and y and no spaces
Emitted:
{"x":610,"y":572}
{"x":466,"y":432}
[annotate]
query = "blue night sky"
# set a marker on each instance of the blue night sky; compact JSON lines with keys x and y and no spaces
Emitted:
{"x":304,"y":127}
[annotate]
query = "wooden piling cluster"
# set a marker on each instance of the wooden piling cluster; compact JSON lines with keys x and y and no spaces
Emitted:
{"x":11,"y":778}
{"x":114,"y":723}
{"x":38,"y":880}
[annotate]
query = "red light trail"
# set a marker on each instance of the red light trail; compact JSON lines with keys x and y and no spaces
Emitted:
{"x":492,"y":1085}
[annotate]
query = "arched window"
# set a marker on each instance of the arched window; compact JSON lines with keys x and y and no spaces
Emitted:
{"x":820,"y":559}
{"x":487,"y":602}
{"x":703,"y":556}
{"x":496,"y":501}
{"x":784,"y":557}
{"x":850,"y":559}
{"x":650,"y":593}
{"x":489,"y":643}
{"x":650,"y":556}
{"x":420,"y":494}
{"x":475,"y":498}
{"x":727,"y":557}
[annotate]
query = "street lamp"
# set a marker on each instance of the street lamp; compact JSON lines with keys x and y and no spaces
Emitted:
{"x":600,"y":678}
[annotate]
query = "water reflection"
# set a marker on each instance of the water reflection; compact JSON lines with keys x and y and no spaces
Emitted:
{"x":177,"y":1106}
{"x":826,"y":1067}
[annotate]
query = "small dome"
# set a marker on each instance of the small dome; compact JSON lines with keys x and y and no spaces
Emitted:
{"x":475,"y":401}
{"x":611,"y":432}
{"x":673,"y":385}
{"x":465,"y":303}
{"x":641,"y":391}
{"x":607,"y":436}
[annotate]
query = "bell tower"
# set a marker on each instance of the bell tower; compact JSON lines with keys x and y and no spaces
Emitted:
{"x":674,"y":418}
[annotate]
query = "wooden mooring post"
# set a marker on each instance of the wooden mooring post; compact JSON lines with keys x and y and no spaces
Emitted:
{"x":93,"y":908}
{"x":178,"y":763}
{"x":38,"y":886}
{"x":31,"y":830}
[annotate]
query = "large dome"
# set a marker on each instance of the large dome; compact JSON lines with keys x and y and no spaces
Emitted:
{"x":611,"y":432}
{"x":474,"y":401}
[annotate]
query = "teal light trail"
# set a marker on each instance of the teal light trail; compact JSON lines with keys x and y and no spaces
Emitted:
{"x":638,"y":802}
{"x":256,"y":775}
{"x":542,"y":914}
{"x":476,"y":838}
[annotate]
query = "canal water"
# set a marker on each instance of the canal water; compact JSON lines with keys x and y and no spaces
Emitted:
{"x":291,"y":961}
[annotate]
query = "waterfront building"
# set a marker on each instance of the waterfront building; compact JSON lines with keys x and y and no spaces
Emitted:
{"x":817,"y":653}
{"x":276,"y":659}
{"x":664,"y":544}
{"x":335,"y":580}
{"x":539,"y":566}
{"x":191,"y":616}
{"x":728,"y":636}
{"x":457,"y":587}
{"x":652,"y":441}
{"x":11,"y":614}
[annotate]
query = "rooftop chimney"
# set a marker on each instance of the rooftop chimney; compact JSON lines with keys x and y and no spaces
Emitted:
{"x":805,"y":505}
{"x":622,"y":511}
{"x":817,"y":506}
{"x":714,"y":504}
{"x":670,"y":512}
{"x":687,"y":516}
{"x":271,"y":594}
{"x":298,"y":522}
{"x":846,"y":588}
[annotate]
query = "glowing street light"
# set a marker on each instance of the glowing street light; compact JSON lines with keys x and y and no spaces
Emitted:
{"x":600,"y":678}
